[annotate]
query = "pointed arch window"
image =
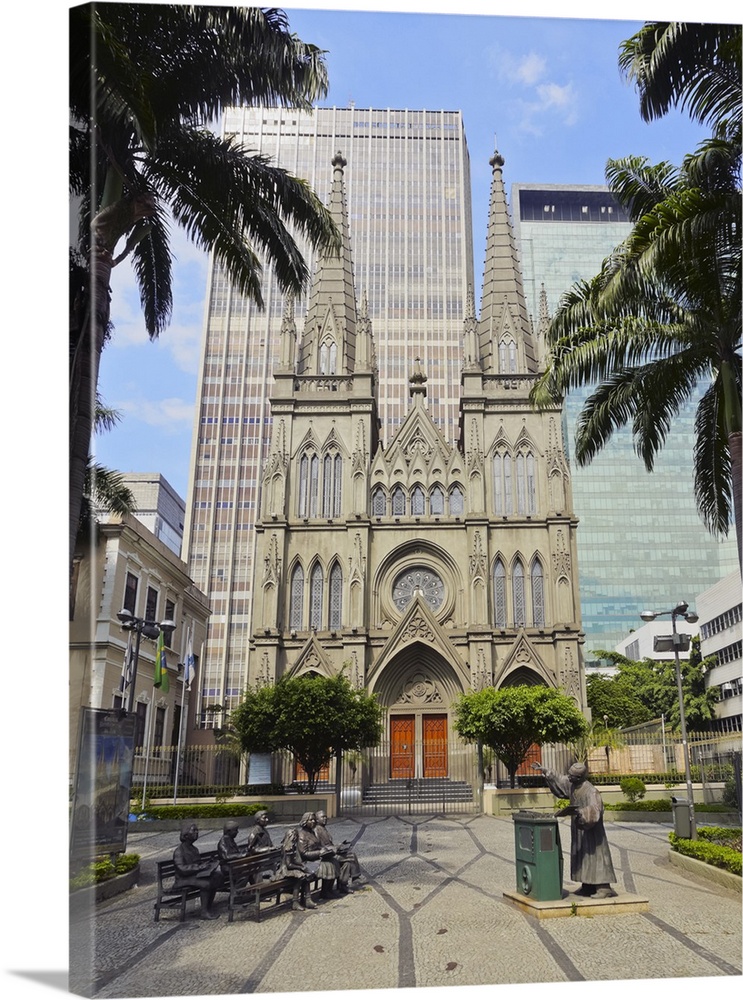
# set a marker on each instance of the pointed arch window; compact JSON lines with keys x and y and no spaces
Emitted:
{"x":379,"y":502}
{"x":304,"y":465}
{"x":398,"y":502}
{"x":328,"y":357}
{"x":337,"y":485}
{"x":296,"y":597}
{"x":531,"y":485}
{"x":316,"y":589}
{"x":502,"y":356}
{"x":519,"y":594}
{"x":512,"y":357}
{"x":503,"y":484}
{"x":499,"y":592}
{"x":521,"y":484}
{"x":314,"y":482}
{"x":327,"y":486}
{"x":537,"y":594}
{"x":417,"y":502}
{"x":437,"y":501}
{"x":336,"y":596}
{"x":456,"y":501}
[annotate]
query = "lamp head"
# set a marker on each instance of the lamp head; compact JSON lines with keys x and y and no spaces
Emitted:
{"x":168,"y":624}
{"x":125,"y":616}
{"x":648,"y":616}
{"x":691,"y":617}
{"x":681,"y":608}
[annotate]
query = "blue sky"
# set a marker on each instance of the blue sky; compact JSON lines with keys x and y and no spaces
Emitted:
{"x":548,"y":88}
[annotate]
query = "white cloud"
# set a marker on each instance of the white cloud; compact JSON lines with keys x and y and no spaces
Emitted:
{"x":530,"y":68}
{"x":170,"y":413}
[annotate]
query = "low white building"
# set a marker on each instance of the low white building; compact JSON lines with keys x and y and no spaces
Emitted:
{"x":720,"y":611}
{"x":639,"y":643}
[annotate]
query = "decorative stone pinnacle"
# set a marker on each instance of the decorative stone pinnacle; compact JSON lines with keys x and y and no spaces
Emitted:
{"x":496,"y":161}
{"x":338,"y":162}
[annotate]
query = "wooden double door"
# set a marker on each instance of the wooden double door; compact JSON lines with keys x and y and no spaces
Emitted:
{"x":434,"y":760}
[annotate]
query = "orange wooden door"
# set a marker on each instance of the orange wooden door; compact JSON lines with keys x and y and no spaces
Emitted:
{"x":533,"y":756}
{"x":402,"y":746}
{"x":301,"y":775}
{"x":435,"y":746}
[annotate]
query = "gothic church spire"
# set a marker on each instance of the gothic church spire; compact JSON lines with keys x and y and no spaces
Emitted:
{"x":505,"y":336}
{"x":329,"y":339}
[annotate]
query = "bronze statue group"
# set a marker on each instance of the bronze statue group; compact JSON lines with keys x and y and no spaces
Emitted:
{"x":307,"y":850}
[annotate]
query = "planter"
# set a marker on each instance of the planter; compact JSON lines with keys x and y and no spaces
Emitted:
{"x":85,"y":899}
{"x":696,"y":867}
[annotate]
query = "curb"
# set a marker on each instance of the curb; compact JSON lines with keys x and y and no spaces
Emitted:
{"x":88,"y":897}
{"x":695,"y":867}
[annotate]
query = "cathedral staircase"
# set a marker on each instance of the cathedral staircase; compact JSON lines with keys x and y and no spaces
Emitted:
{"x":419,"y":795}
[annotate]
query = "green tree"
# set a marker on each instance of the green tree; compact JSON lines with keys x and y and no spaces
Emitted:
{"x":145,"y":83}
{"x":615,"y":697}
{"x":653,"y":684}
{"x":311,"y":716}
{"x":663,"y":317}
{"x":511,"y":719}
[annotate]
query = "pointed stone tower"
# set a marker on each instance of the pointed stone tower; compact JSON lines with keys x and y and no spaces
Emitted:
{"x":519,"y":498}
{"x":313,"y":532}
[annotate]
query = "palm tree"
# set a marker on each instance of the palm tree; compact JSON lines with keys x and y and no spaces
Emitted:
{"x":663,"y":317}
{"x":145,"y":81}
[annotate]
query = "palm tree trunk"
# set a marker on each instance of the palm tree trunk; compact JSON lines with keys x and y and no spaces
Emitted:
{"x":89,"y":322}
{"x":735,"y":441}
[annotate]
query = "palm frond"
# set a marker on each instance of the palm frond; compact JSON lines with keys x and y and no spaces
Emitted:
{"x":693,"y":67}
{"x":712,"y":464}
{"x":151,"y":260}
{"x":227,"y":199}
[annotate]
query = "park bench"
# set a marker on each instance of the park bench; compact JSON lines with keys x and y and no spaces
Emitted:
{"x":171,"y":897}
{"x":248,"y":886}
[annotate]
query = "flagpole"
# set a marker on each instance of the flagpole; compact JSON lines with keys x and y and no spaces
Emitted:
{"x":147,"y":748}
{"x":183,"y":715}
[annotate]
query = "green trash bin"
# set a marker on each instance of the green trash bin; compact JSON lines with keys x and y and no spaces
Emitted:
{"x":538,"y":855}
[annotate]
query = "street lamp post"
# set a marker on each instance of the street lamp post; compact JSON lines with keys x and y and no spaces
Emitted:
{"x":678,"y":642}
{"x":140,"y":627}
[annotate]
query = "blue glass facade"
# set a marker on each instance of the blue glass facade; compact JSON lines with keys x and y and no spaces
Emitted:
{"x":640,"y":540}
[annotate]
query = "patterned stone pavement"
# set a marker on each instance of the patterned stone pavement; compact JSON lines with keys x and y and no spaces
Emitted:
{"x":433,"y":914}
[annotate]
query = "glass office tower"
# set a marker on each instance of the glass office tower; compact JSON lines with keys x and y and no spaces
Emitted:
{"x":409,"y":205}
{"x":640,"y":540}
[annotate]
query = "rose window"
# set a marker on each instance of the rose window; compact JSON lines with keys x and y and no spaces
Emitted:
{"x":418,"y":581}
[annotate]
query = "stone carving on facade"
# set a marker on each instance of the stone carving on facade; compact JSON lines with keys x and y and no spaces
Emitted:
{"x":561,"y":557}
{"x":419,"y":690}
{"x":471,"y":360}
{"x":357,"y":562}
{"x":359,"y":458}
{"x":272,"y":564}
{"x":571,"y":678}
{"x":482,"y":674}
{"x":475,"y":458}
{"x":287,"y":336}
{"x":557,"y":470}
{"x":478,"y":563}
{"x":264,"y":675}
{"x":356,"y":674}
{"x":418,"y":628}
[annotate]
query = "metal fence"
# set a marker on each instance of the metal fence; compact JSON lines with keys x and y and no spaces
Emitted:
{"x":443,"y":778}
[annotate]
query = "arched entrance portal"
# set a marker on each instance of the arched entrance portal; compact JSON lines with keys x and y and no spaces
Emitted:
{"x":418,"y":688}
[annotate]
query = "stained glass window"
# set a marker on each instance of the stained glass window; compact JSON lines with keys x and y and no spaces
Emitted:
{"x":417,"y":501}
{"x":337,"y":485}
{"x":314,"y":476}
{"x":519,"y":595}
{"x":437,"y":500}
{"x":336,"y":596}
{"x":379,"y":502}
{"x":537,"y":593}
{"x":398,"y":501}
{"x":316,"y":584}
{"x":296,"y":598}
{"x":456,"y":502}
{"x":499,"y":587}
{"x":303,"y":475}
{"x":327,"y":486}
{"x":419,"y":581}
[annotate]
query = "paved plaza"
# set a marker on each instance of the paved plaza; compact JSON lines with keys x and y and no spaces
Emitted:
{"x":432,"y":914}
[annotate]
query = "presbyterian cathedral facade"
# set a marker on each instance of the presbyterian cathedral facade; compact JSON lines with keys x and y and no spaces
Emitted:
{"x":420,"y":569}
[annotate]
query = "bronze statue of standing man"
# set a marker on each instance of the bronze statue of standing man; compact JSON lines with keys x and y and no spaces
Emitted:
{"x":590,"y":858}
